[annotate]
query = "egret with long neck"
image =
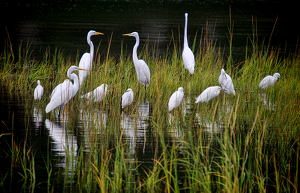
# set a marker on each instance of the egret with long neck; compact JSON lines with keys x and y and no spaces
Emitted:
{"x":63,"y":92}
{"x":187,"y":54}
{"x":141,"y":68}
{"x":86,"y":60}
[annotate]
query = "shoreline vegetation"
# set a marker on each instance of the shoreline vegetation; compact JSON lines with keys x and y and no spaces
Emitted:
{"x":251,"y":145}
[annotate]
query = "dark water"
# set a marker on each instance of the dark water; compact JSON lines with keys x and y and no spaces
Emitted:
{"x":64,"y":24}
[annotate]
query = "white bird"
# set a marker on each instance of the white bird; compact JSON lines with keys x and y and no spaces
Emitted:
{"x":226,"y":82}
{"x":187,"y":54}
{"x":86,"y":61}
{"x":269,"y":80}
{"x":127,"y":98}
{"x":141,"y":68}
{"x":176,"y":99}
{"x":38,"y":91}
{"x":209,"y":93}
{"x":98,"y":94}
{"x":63,"y":92}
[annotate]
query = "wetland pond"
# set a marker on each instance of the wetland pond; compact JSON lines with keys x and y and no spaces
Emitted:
{"x":66,"y":149}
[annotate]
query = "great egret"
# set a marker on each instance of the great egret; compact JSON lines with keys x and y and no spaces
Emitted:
{"x":209,"y":93}
{"x":226,"y":82}
{"x":127,"y":98}
{"x":38,"y":91}
{"x":141,"y":68}
{"x":63,"y":92}
{"x":86,"y":61}
{"x":176,"y":98}
{"x":269,"y":80}
{"x":98,"y":94}
{"x":187,"y":54}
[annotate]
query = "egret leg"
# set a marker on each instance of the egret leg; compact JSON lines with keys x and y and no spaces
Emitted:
{"x":61,"y":106}
{"x":145,"y":92}
{"x":59,"y":111}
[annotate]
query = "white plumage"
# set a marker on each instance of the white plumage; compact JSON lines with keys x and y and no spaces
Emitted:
{"x":226,"y":82}
{"x":38,"y":91}
{"x":208,"y":94}
{"x":98,"y":94}
{"x":86,"y":60}
{"x":127,"y":98}
{"x":269,"y":80}
{"x":63,"y":92}
{"x":187,"y":54}
{"x":176,"y":99}
{"x":141,"y":68}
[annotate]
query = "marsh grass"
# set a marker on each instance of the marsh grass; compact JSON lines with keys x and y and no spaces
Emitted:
{"x":243,"y":143}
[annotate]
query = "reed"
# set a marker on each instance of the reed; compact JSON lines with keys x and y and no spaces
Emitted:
{"x":243,"y":143}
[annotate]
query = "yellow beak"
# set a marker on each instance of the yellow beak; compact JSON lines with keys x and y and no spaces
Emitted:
{"x":99,"y":33}
{"x":82,"y":69}
{"x":127,"y":34}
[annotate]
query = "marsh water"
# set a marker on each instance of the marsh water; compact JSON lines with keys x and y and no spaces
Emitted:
{"x":64,"y":26}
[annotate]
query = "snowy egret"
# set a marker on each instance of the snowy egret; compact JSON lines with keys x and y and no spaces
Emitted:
{"x":63,"y":92}
{"x":98,"y":94}
{"x":226,"y":82}
{"x":86,"y":61}
{"x":187,"y":54}
{"x":269,"y":80}
{"x":141,"y":68}
{"x":38,"y":91}
{"x":209,"y":93}
{"x":127,"y":98}
{"x":176,"y":98}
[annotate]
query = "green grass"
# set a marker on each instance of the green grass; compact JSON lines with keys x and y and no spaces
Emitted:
{"x":250,"y":147}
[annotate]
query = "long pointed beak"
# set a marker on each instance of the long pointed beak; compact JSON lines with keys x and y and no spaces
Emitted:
{"x":82,"y":69}
{"x":99,"y":33}
{"x":127,"y":34}
{"x":281,"y":78}
{"x":223,"y":89}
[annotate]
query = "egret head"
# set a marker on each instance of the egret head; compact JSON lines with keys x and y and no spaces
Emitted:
{"x":277,"y":75}
{"x":129,"y":90}
{"x":105,"y":88}
{"x":93,"y":32}
{"x":223,"y":89}
{"x":181,"y":89}
{"x":38,"y":82}
{"x":133,"y":34}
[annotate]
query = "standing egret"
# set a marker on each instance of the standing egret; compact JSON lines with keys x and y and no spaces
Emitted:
{"x":141,"y":68}
{"x":38,"y":91}
{"x":226,"y":82}
{"x":98,"y":94}
{"x":176,"y":98}
{"x":63,"y":92}
{"x":127,"y":98}
{"x":187,"y":54}
{"x":209,"y":93}
{"x":269,"y":80}
{"x":86,"y":61}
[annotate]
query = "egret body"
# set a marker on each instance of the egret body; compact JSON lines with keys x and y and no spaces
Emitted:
{"x":208,"y":94}
{"x":38,"y":91}
{"x":269,"y":80}
{"x":86,"y":61}
{"x":226,"y":82}
{"x":63,"y":92}
{"x":176,"y":99}
{"x":127,"y":98}
{"x":98,"y":94}
{"x":141,"y":68}
{"x":187,"y":54}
